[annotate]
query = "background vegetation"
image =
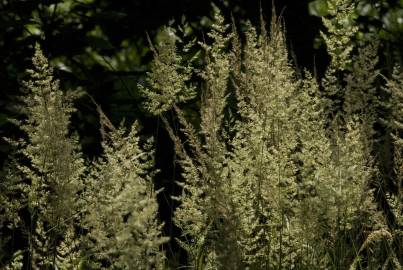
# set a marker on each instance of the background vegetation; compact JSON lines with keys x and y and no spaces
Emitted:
{"x":271,"y":149}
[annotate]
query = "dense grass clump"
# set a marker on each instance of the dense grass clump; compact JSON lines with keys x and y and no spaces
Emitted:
{"x":281,"y":172}
{"x":280,"y":169}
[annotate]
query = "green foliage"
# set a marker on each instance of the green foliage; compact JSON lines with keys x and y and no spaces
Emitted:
{"x":352,"y":22}
{"x":318,"y":8}
{"x":121,"y":216}
{"x":51,"y":174}
{"x":115,"y":205}
{"x":341,"y":29}
{"x":168,"y":81}
{"x":282,"y":171}
{"x":360,"y":93}
{"x":382,"y":17}
{"x":273,"y":182}
{"x":394,"y":87}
